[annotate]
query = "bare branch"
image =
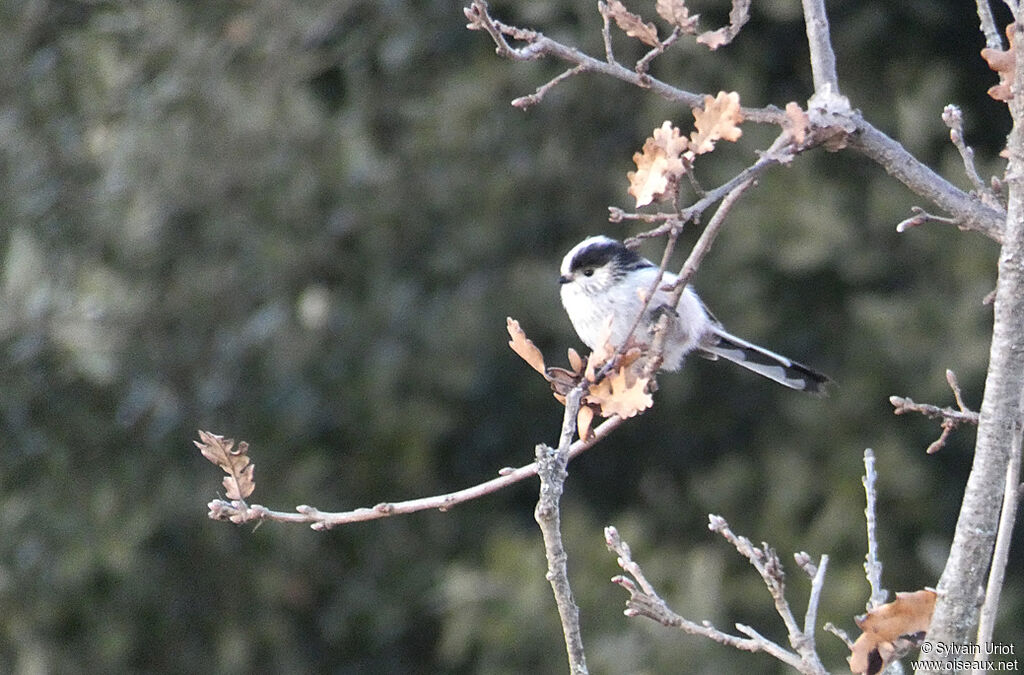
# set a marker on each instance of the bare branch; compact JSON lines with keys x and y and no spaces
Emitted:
{"x":954,"y":119}
{"x":921,"y":217}
{"x":999,"y":428}
{"x":993,"y":39}
{"x":951,"y":419}
{"x":1004,"y":536}
{"x":841,"y":126}
{"x":551,"y":469}
{"x":872,"y":563}
{"x":539,"y":45}
{"x":839,"y":633}
{"x":817,"y":574}
{"x":767,"y":563}
{"x":823,"y":58}
{"x":643,"y":64}
{"x":707,"y":238}
{"x":645,"y":601}
{"x":968,"y":212}
{"x":239,"y":512}
{"x":524,"y":102}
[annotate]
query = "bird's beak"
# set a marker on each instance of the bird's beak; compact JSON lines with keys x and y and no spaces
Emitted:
{"x":565,"y":279}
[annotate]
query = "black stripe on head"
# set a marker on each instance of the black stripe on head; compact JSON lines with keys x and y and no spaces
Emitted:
{"x":600,"y":253}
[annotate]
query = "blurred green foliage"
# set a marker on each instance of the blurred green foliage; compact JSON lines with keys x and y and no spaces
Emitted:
{"x":303,"y":224}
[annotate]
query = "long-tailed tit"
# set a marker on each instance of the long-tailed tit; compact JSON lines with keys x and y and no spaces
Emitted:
{"x":601,"y":278}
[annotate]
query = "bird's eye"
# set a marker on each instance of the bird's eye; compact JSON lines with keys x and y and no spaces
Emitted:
{"x":588,"y":271}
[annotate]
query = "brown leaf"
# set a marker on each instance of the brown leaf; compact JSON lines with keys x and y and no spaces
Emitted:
{"x":678,"y":14}
{"x":718,"y":120}
{"x":239,"y":482}
{"x":796,"y":123}
{"x":659,"y":166}
{"x":738,"y":16}
{"x":523,"y":346}
{"x":584,"y":418}
{"x":576,"y":361}
{"x":890,"y":629}
{"x":631,"y":24}
{"x":1002,"y":61}
{"x":621,"y":393}
{"x":562,"y":381}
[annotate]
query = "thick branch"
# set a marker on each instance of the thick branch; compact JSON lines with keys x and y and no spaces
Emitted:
{"x":963,"y":579}
{"x":1004,"y":537}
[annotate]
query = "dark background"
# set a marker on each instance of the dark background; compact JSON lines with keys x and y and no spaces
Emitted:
{"x":304,"y":223}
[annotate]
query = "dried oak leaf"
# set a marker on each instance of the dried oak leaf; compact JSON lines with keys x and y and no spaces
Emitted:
{"x":631,"y":24}
{"x":1002,"y":61}
{"x":718,"y":120}
{"x":658,"y":166}
{"x":523,"y":346}
{"x":621,"y":393}
{"x":678,"y":14}
{"x":576,"y":361}
{"x":584,"y":420}
{"x":797,"y":123}
{"x":891,"y":629}
{"x":738,"y":17}
{"x":239,"y":482}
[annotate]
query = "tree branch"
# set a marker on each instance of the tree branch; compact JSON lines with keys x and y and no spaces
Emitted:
{"x":872,"y":563}
{"x":951,"y":418}
{"x":993,"y":39}
{"x":240,"y":512}
{"x":1004,"y":537}
{"x":969,"y":212}
{"x":551,"y":469}
{"x":858,"y":134}
{"x":645,"y":601}
{"x":823,"y":58}
{"x":999,"y":428}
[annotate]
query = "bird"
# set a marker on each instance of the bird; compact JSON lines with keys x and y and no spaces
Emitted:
{"x":602,"y":280}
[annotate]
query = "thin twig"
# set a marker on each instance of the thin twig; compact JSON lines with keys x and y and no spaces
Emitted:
{"x":645,"y":601}
{"x":766,"y":561}
{"x":953,"y":118}
{"x":239,"y":512}
{"x":813,"y":600}
{"x":524,"y":102}
{"x":551,"y":469}
{"x":606,"y":36}
{"x":872,"y":563}
{"x":823,"y":58}
{"x":707,"y":238}
{"x":921,"y":217}
{"x":643,"y":64}
{"x":857,"y":133}
{"x":951,"y":419}
{"x":993,"y":39}
{"x":839,"y":633}
{"x":539,"y":45}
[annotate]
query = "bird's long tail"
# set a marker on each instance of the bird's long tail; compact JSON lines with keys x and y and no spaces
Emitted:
{"x":764,"y":362}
